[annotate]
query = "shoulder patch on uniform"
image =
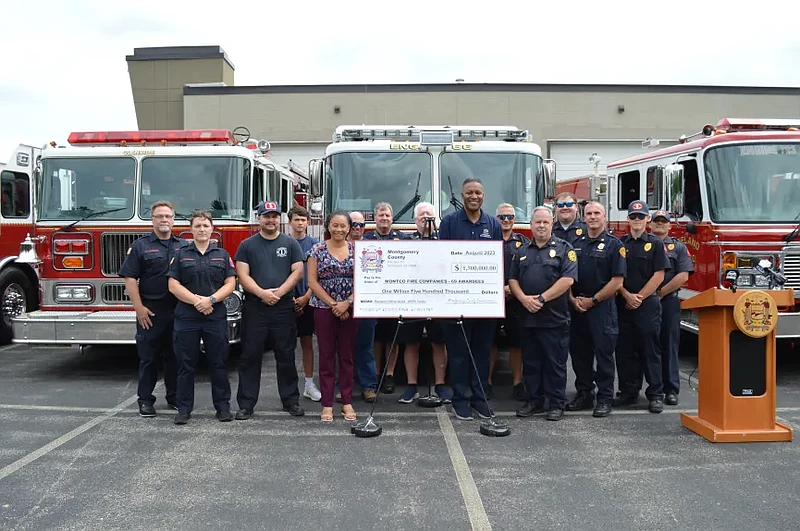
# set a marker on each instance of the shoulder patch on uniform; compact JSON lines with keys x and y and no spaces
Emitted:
{"x":518,"y":243}
{"x":671,"y":246}
{"x":648,"y":246}
{"x":578,"y":232}
{"x":572,"y":256}
{"x":622,"y":252}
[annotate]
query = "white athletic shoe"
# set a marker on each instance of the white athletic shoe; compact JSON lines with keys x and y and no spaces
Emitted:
{"x":312,"y":393}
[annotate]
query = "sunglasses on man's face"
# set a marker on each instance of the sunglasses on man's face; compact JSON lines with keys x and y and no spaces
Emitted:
{"x":637,"y":216}
{"x":563,"y":204}
{"x":359,"y":225}
{"x":505,"y":217}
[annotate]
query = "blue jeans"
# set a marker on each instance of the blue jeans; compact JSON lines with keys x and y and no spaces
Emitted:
{"x":365,"y":358}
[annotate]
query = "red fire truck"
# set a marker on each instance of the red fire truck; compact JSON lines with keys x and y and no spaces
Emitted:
{"x":92,"y":201}
{"x":403,"y":165}
{"x":17,"y":281}
{"x":734,"y":192}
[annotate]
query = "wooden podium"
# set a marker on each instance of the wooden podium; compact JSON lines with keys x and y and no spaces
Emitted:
{"x":736,"y":362}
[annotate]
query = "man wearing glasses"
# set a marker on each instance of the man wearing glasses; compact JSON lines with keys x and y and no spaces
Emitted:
{"x":567,"y":226}
{"x":640,"y":312}
{"x":145,"y":272}
{"x":511,"y":243}
{"x":365,"y":357}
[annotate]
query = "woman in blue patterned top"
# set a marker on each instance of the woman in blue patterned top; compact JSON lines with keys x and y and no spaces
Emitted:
{"x":330,"y":277}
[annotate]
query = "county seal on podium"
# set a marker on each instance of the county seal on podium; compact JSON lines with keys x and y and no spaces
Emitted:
{"x":755,"y":313}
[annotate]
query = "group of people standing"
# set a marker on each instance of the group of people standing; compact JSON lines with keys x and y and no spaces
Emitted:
{"x":572,"y":289}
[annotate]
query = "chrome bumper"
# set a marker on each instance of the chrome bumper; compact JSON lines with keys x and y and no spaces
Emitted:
{"x":788,"y":324}
{"x":89,"y":328}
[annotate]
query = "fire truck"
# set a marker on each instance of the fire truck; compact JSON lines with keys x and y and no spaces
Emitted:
{"x":92,"y":200}
{"x":17,"y":281}
{"x":404,"y":165}
{"x":733,"y":191}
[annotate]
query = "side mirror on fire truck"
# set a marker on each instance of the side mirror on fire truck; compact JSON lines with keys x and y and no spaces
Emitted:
{"x":674,"y":189}
{"x":315,"y":176}
{"x":549,"y":177}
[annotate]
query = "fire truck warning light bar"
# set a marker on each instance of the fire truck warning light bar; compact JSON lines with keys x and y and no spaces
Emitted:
{"x":164,"y":137}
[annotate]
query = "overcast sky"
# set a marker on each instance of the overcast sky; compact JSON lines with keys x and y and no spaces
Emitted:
{"x":62,"y":64}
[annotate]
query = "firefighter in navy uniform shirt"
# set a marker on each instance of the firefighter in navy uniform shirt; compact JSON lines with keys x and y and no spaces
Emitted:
{"x":385,"y":328}
{"x":594,"y":328}
{"x":145,"y":272}
{"x":201,"y":277}
{"x":567,"y":225}
{"x":541,"y":276}
{"x":640,"y":313}
{"x":470,"y":223}
{"x":512,"y":242}
{"x":681,"y":267}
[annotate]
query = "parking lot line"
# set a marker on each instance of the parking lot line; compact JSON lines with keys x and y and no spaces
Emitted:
{"x":49,"y":447}
{"x":478,"y":518}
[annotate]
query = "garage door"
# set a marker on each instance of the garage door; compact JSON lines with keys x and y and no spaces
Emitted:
{"x":572,"y":157}
{"x":299,"y":154}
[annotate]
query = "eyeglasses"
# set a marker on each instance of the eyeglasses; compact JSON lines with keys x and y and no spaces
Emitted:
{"x":163,"y":216}
{"x":567,"y":204}
{"x":506,"y":217}
{"x":359,"y":225}
{"x":637,"y":216}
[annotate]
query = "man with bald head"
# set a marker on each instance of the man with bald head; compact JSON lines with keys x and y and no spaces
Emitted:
{"x":594,"y":331}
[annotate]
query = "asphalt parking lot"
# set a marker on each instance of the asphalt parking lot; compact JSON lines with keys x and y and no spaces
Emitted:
{"x":74,"y":454}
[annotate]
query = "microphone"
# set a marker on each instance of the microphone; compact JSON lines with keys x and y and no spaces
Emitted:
{"x":731,"y":276}
{"x":764,"y":267}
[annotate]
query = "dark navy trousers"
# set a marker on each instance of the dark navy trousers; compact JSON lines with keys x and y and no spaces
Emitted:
{"x":639,"y":349}
{"x":544,"y":363}
{"x":593,"y":338}
{"x":187,"y":336}
{"x":155,"y":349}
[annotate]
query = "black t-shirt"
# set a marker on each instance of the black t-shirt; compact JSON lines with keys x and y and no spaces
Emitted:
{"x":270,"y":262}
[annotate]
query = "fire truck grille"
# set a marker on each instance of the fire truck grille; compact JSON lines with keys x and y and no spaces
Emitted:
{"x":113,"y":247}
{"x":791,"y":268}
{"x":115,"y":294}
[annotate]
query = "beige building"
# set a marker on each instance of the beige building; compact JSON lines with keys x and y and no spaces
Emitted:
{"x":193,"y":87}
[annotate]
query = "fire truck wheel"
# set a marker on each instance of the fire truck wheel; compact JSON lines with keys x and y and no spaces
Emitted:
{"x":16,"y":294}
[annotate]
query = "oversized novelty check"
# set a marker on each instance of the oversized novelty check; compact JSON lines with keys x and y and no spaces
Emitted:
{"x":428,"y":278}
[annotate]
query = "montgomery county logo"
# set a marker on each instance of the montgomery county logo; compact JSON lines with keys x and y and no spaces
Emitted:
{"x":755,"y":314}
{"x":372,"y":259}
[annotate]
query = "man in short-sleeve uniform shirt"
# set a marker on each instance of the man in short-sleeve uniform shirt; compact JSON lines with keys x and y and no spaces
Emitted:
{"x":470,"y":223}
{"x":269,"y":265}
{"x":681,"y":267}
{"x":640,"y":313}
{"x":568,"y":226}
{"x":601,"y":271}
{"x":540,"y":278}
{"x":145,"y":271}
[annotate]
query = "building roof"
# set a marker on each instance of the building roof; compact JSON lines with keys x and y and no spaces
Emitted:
{"x":488,"y":87}
{"x":172,"y":53}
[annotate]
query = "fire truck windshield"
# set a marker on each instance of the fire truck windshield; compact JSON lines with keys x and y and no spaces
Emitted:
{"x":71,"y":188}
{"x":360,"y":180}
{"x":753,"y":182}
{"x":507,"y":178}
{"x":218,"y":184}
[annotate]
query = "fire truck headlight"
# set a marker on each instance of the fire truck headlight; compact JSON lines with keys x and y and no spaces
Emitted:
{"x":73,"y":293}
{"x":233,"y":303}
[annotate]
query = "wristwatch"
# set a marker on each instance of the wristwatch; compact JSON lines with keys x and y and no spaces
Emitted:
{"x":213,"y":299}
{"x":595,"y":301}
{"x":541,"y":299}
{"x":350,"y":300}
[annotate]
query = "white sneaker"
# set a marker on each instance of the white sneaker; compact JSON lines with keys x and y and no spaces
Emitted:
{"x":312,"y":393}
